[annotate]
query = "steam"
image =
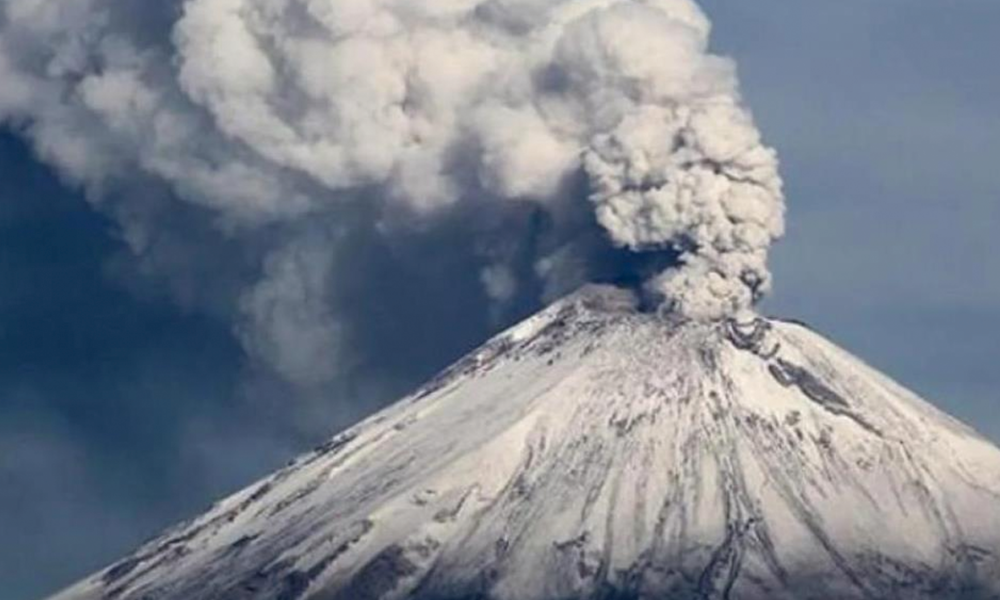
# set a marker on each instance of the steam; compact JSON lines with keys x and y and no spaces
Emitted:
{"x":549,"y":133}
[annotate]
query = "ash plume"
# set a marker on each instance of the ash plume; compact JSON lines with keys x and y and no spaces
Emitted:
{"x":337,"y":151}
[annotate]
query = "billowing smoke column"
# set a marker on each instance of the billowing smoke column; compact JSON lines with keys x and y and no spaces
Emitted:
{"x":306,"y":120}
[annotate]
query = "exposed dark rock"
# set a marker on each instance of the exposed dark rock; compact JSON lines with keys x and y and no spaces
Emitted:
{"x":379,"y":577}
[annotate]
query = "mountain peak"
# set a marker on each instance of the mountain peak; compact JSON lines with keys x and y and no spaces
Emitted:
{"x":599,"y":451}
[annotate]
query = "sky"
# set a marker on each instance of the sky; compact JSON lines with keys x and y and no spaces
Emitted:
{"x":123,"y":410}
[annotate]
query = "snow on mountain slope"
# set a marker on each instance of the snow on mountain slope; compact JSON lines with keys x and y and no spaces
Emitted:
{"x":595,"y":451}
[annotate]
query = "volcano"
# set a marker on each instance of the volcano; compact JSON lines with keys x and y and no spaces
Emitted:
{"x":598,"y":451}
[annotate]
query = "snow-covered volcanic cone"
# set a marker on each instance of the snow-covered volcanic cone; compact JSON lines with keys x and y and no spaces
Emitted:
{"x":595,"y":451}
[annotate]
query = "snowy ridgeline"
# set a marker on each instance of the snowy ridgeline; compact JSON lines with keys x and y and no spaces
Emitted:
{"x":594,"y":451}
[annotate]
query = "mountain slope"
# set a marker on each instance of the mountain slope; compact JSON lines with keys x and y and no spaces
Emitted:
{"x":594,"y":451}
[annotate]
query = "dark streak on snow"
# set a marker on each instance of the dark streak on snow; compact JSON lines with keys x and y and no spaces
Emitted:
{"x":791,"y":375}
{"x":121,"y":570}
{"x":335,"y":445}
{"x":379,"y":577}
{"x":280,"y":581}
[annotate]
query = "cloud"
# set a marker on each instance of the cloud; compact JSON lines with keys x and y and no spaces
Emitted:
{"x":550,"y":143}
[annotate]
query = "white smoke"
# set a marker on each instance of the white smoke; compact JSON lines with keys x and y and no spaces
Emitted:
{"x":279,"y":113}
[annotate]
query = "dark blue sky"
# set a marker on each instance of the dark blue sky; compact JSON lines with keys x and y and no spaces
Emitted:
{"x":120,"y":412}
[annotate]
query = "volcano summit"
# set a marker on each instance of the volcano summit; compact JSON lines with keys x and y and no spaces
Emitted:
{"x":596,"y":451}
